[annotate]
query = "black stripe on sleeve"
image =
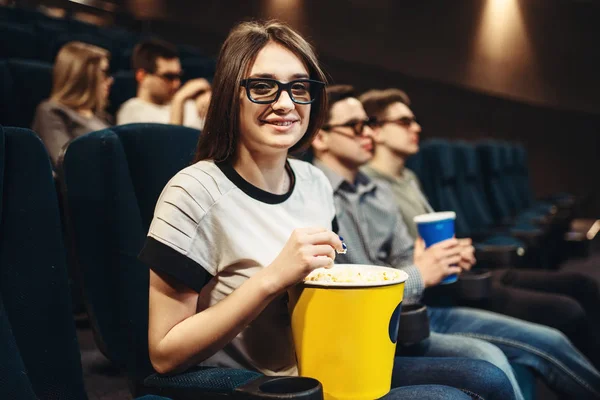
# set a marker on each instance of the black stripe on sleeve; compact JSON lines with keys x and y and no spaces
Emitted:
{"x":334,"y":225}
{"x":162,"y":258}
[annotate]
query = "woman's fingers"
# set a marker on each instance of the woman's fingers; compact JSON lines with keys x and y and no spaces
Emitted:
{"x":322,"y":262}
{"x":312,"y":230}
{"x":323,"y":250}
{"x":327,"y":238}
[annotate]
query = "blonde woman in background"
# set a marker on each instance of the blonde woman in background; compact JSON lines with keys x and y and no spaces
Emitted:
{"x":80,"y":87}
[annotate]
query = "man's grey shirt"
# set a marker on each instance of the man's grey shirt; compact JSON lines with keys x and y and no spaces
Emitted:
{"x":369,"y":221}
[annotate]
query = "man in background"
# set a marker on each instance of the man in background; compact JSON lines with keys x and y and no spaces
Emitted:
{"x":160,"y":96}
{"x":369,"y":219}
{"x":564,"y":300}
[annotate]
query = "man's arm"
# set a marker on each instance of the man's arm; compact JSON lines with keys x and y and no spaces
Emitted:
{"x":401,"y":257}
{"x":425,"y":267}
{"x":189,"y":91}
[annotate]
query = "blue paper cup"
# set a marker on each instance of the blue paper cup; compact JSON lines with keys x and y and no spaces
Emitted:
{"x":434,"y":228}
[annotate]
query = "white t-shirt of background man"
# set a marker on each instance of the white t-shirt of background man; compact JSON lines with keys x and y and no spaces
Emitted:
{"x":136,"y":110}
{"x":209,"y":219}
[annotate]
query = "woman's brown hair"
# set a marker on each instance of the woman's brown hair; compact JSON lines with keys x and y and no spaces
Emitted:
{"x":219,"y":138}
{"x":76,"y":77}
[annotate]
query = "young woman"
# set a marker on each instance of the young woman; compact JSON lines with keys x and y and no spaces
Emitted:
{"x":80,"y":88}
{"x":242,"y":224}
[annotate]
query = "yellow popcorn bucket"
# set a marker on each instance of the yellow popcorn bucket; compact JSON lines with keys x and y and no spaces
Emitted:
{"x":345,"y":330}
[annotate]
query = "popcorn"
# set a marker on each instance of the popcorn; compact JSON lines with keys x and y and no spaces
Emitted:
{"x":353,"y":275}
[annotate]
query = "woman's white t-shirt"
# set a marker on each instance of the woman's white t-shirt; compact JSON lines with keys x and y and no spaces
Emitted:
{"x":208,"y":219}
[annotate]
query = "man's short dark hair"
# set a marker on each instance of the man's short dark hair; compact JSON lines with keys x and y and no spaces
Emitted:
{"x":337,"y":93}
{"x":375,"y":102}
{"x":147,"y":52}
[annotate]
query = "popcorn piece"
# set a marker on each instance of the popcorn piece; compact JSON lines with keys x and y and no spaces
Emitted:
{"x":350,"y":275}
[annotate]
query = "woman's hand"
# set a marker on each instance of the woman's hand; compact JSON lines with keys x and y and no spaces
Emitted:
{"x":305,"y":250}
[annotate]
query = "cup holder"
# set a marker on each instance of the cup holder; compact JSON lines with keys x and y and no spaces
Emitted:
{"x":475,"y":285}
{"x":296,"y":388}
{"x":414,"y":324}
{"x":290,"y":385}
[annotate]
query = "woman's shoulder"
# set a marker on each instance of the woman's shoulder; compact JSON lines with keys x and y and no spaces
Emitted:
{"x":50,"y":104}
{"x":303,"y":169}
{"x":306,"y":172}
{"x":47,"y":112}
{"x":47,"y":106}
{"x":203,"y":181}
{"x":51,"y":107}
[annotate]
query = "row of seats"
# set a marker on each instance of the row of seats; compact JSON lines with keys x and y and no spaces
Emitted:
{"x":38,"y":344}
{"x":488,"y":186}
{"x":111,"y":180}
{"x":31,"y":35}
{"x":29,"y":42}
{"x":108,"y":184}
{"x":25,"y":83}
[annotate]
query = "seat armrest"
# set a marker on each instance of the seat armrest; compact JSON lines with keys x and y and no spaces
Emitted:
{"x":281,"y":387}
{"x":414,"y":325}
{"x":499,"y":256}
{"x":474,"y":285}
{"x":531,"y":238}
{"x":542,"y":220}
{"x":197,"y":383}
{"x":209,"y":383}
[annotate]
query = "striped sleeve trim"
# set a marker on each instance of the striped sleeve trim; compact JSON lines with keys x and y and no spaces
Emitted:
{"x":164,"y":259}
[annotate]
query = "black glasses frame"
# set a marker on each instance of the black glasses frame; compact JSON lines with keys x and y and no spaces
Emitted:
{"x":170,"y":76}
{"x":315,"y":93}
{"x":358,"y":127}
{"x":405,"y":122}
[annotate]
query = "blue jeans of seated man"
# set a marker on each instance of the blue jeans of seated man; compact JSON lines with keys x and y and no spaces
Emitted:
{"x":476,"y":378}
{"x":426,"y":392}
{"x":466,"y":332}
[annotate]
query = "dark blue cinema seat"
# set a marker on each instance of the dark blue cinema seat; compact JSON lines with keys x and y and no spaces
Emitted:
{"x":490,"y":159}
{"x":111,"y":180}
{"x":497,"y":166}
{"x":5,"y":92}
{"x":534,"y":212}
{"x":31,"y":84}
{"x":38,"y":344}
{"x":443,"y":180}
{"x":562,"y":200}
{"x":440,"y":177}
{"x":85,"y":37}
{"x":472,"y":194}
{"x":18,"y":14}
{"x":416,"y":164}
{"x":17,"y":41}
{"x":124,"y":88}
{"x":497,"y":163}
{"x":198,"y":68}
{"x":479,"y":217}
